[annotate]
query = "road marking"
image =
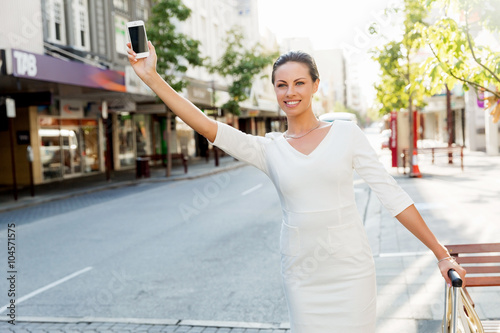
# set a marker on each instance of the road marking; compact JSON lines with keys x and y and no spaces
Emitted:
{"x":47,"y":287}
{"x":256,"y":187}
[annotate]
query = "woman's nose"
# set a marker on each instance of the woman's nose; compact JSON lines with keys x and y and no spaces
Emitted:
{"x":290,"y":91}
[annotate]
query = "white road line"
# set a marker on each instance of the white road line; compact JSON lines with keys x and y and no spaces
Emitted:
{"x":47,"y":287}
{"x":252,"y":189}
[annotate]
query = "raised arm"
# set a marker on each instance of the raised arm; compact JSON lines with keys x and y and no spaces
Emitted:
{"x":145,"y":68}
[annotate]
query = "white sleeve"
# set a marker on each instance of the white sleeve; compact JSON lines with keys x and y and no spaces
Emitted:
{"x":367,"y":165}
{"x":244,"y":147}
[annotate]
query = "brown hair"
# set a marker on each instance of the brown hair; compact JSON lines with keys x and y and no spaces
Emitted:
{"x":297,"y":56}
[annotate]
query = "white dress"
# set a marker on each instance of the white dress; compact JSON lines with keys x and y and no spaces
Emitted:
{"x":326,"y":263}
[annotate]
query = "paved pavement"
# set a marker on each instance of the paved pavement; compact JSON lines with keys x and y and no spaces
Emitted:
{"x":410,"y":294}
{"x":106,"y":326}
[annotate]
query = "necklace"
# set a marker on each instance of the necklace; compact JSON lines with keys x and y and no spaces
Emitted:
{"x":299,"y":136}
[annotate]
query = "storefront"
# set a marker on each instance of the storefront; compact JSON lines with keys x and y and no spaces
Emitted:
{"x":59,"y":106}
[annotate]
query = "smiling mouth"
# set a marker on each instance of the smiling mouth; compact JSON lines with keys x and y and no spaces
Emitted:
{"x":292,"y":103}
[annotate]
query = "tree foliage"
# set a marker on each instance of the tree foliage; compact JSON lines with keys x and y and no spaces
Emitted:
{"x":391,"y":93}
{"x":241,"y":66}
{"x":175,"y":50}
{"x":457,"y":57}
{"x":400,"y":83}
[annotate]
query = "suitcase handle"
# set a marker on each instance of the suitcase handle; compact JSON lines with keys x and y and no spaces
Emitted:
{"x":456,"y":281}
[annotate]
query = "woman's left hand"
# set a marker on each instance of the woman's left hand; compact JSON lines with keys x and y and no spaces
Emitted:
{"x":446,"y":265}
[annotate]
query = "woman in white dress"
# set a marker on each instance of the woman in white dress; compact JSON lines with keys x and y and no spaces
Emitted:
{"x":327,"y":267}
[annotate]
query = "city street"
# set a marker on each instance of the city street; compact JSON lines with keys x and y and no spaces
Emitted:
{"x":207,"y":248}
{"x":121,"y":210}
{"x":199,"y":249}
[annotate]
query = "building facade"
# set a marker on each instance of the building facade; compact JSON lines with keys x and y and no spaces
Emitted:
{"x":209,"y":23}
{"x":78,"y":104}
{"x":64,"y":64}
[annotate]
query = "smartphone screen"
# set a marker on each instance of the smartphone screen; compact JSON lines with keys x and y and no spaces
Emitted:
{"x":138,"y":39}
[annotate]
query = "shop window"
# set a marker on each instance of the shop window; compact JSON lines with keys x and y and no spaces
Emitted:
{"x":71,"y":149}
{"x":59,"y":152}
{"x":142,"y":134}
{"x":50,"y":153}
{"x":90,"y":147}
{"x":126,"y":140}
{"x":68,"y":147}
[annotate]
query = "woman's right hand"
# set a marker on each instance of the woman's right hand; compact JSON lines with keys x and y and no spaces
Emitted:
{"x":145,"y":67}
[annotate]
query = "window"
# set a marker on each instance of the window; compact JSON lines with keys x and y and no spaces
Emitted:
{"x":121,"y":5}
{"x":81,"y":25}
{"x":120,"y":34}
{"x":142,"y":9}
{"x":126,"y":146}
{"x":54,"y":13}
{"x":204,"y":36}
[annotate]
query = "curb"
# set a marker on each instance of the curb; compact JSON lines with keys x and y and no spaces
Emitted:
{"x":119,"y":185}
{"x":152,"y":321}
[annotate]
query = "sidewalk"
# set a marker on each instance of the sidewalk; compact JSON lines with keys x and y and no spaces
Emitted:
{"x":460,"y":208}
{"x":92,"y":183}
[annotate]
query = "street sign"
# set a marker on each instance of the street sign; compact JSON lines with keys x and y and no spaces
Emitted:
{"x":11,"y":108}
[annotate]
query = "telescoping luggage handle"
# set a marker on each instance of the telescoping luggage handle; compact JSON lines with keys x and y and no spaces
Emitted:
{"x":456,"y":282}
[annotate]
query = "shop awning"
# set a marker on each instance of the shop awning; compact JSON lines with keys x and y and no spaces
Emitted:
{"x":33,"y":66}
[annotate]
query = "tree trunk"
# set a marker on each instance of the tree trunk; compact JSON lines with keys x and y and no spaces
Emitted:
{"x":449,"y":122}
{"x":411,"y":145}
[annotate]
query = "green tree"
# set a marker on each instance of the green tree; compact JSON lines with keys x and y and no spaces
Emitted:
{"x":241,"y":66}
{"x":391,"y":88}
{"x":400,"y":83}
{"x":400,"y":86}
{"x":175,"y":50}
{"x":456,"y":55}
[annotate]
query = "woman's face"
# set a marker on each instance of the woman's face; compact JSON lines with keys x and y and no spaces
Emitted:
{"x":294,"y":88}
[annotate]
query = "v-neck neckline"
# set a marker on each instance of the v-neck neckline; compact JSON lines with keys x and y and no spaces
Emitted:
{"x":315,"y":148}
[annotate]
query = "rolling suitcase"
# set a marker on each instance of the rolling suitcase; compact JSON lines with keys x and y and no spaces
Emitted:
{"x":459,"y":314}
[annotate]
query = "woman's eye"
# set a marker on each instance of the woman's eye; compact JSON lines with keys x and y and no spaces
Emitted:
{"x":300,"y":83}
{"x":281,"y":85}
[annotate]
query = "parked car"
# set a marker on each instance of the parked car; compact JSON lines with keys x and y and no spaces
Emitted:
{"x":385,"y":138}
{"x":332,"y":116}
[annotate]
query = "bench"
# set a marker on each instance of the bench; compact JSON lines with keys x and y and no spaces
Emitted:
{"x":217,"y":152}
{"x":482,"y":262}
{"x":447,"y":151}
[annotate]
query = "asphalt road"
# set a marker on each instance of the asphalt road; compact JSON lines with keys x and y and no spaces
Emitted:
{"x":204,"y":249}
